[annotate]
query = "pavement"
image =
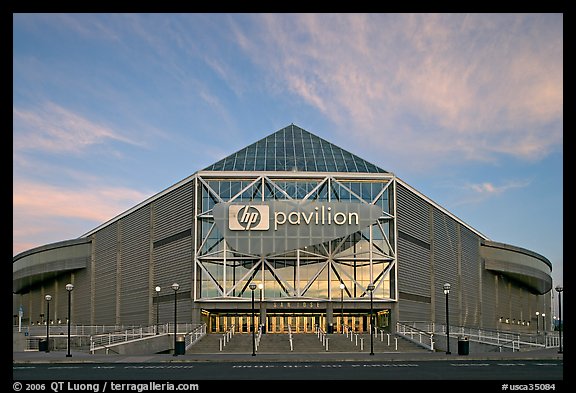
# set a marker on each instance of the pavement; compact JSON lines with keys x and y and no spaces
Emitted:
{"x":85,"y":357}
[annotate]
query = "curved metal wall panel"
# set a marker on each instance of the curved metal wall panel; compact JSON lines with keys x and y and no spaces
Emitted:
{"x":47,"y":262}
{"x":526,"y":267}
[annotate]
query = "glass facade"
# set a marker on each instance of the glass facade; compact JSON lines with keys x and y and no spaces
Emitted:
{"x":294,"y":149}
{"x":312,"y":272}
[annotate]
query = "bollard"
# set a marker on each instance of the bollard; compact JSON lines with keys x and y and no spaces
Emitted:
{"x":361,"y":344}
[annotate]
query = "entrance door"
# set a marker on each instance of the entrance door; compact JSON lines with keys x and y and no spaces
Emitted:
{"x":298,"y":322}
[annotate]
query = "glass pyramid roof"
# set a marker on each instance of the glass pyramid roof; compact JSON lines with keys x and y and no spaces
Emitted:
{"x":294,"y":149}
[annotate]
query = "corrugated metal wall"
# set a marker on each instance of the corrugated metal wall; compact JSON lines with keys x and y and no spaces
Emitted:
{"x":434,"y":249}
{"x":414,"y":270}
{"x":450,"y":253}
{"x":470,"y":267}
{"x":105,"y":273}
{"x":123,"y":285}
{"x":135,"y":259}
{"x":81,"y":296}
{"x":173,"y":261}
{"x":173,"y":212}
{"x":445,"y":245}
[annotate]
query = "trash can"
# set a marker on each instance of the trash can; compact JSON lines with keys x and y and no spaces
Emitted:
{"x":180,"y":346}
{"x":42,"y":345}
{"x":463,"y":346}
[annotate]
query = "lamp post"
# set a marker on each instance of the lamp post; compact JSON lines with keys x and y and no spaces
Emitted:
{"x":537,"y":324}
{"x":371,"y":289}
{"x":175,"y":288}
{"x":544,"y":325}
{"x":252,"y":288}
{"x":559,"y":290}
{"x":342,"y":306}
{"x":157,"y":289}
{"x":446,"y":292}
{"x":48,"y":298}
{"x":69,"y":288}
{"x":261,"y":287}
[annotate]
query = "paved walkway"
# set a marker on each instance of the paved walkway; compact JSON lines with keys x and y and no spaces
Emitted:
{"x":60,"y":357}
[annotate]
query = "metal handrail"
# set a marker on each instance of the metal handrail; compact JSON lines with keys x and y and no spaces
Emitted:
{"x":110,"y":339}
{"x":498,"y":338}
{"x":192,"y":337}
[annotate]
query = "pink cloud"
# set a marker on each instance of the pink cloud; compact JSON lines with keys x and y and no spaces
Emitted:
{"x":38,"y":210}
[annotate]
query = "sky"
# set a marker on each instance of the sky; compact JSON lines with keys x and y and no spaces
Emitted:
{"x":110,"y":109}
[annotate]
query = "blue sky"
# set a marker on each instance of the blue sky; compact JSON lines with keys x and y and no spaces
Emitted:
{"x":110,"y":109}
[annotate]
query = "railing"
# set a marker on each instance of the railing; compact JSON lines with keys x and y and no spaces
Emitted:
{"x":226,"y":337}
{"x":107,"y":340}
{"x":75,"y":330}
{"x":290,"y":338}
{"x":258,"y":337}
{"x":322,"y":336}
{"x":112,"y":338}
{"x":423,"y":338}
{"x":382,"y":334}
{"x":515,"y":341}
{"x":354,"y":336}
{"x":195,"y":335}
{"x":58,"y":342}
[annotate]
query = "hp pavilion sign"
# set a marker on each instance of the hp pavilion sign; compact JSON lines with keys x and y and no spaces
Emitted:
{"x":283,"y":225}
{"x":257,"y":217}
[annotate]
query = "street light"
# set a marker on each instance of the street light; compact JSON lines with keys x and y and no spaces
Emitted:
{"x":69,"y":288}
{"x":446,"y":292}
{"x":48,"y":298}
{"x":261,"y":287}
{"x":157,"y":289}
{"x":371,"y":289}
{"x":537,"y":324}
{"x":175,"y":288}
{"x":252,"y":288}
{"x":342,"y":306}
{"x":544,"y":324}
{"x":559,"y":290}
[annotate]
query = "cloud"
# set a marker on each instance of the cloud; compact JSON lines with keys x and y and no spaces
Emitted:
{"x":38,"y":207}
{"x":473,"y":193}
{"x":53,"y":128}
{"x":470,"y":85}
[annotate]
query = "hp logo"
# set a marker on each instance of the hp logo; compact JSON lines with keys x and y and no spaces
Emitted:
{"x":249,"y":217}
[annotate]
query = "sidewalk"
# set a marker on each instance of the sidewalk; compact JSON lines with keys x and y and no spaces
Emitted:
{"x":85,"y":357}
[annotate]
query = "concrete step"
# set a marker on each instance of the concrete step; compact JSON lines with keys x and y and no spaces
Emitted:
{"x":303,"y":343}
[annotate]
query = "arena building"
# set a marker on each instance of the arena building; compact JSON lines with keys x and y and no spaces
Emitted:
{"x":318,"y":236}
